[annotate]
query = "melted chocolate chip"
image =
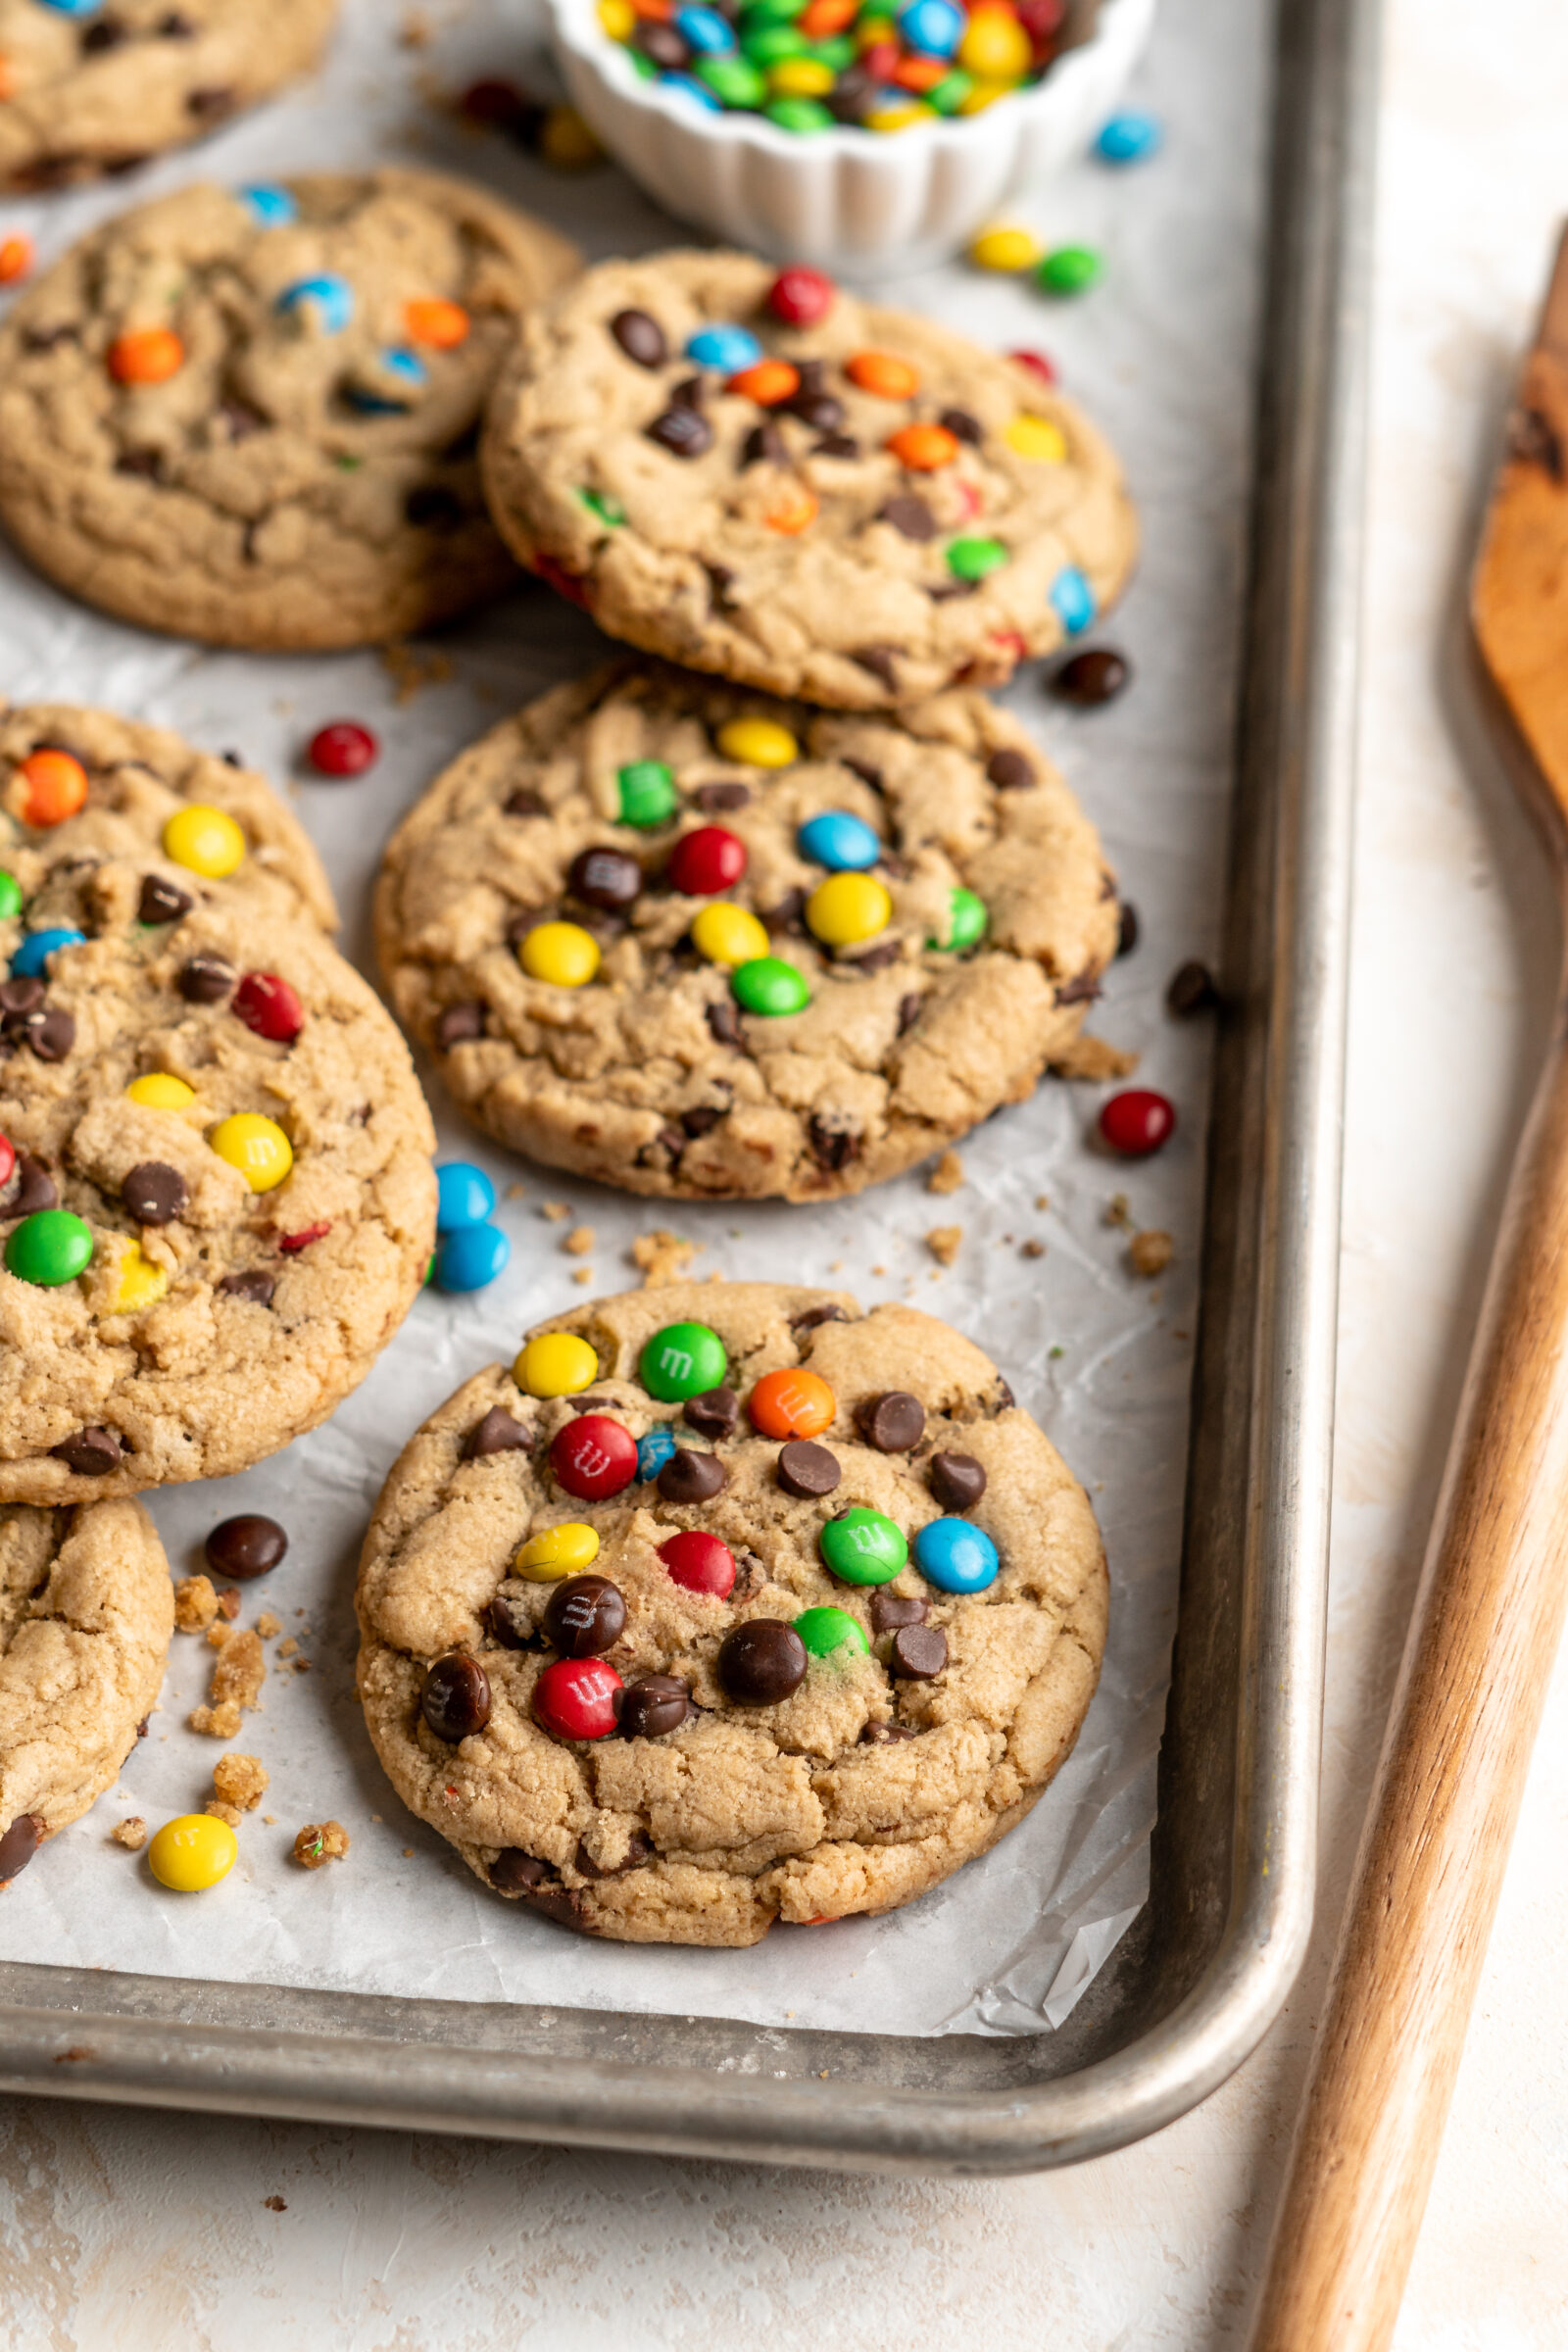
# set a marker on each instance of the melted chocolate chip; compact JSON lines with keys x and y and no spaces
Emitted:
{"x":910,"y":1010}
{"x":836,"y":445}
{"x":51,"y":1032}
{"x":762,"y":1662}
{"x":584,"y":1615}
{"x":962,"y":426}
{"x":684,"y":432}
{"x":711,"y":797}
{"x":808,"y":1470}
{"x":876,"y":958}
{"x":763,"y":445}
{"x":497,"y":1433}
{"x":956,"y":1479}
{"x":878,"y":660}
{"x":20,"y":996}
{"x":881,"y":1735}
{"x":869,"y":776}
{"x":787,"y":914}
{"x":33,"y":1187}
{"x":721,"y":581}
{"x":154,"y":1193}
{"x":161,"y":901}
{"x":712,"y":1415}
{"x":523,"y":802}
{"x":893,"y":1423}
{"x":141,"y":465}
{"x":692,"y":1477}
{"x":823,"y":411}
{"x":910,"y":516}
{"x":1097,"y":676}
{"x":456,"y":1699}
{"x":1532,"y":440}
{"x":640,"y":337}
{"x":253,"y":1286}
{"x":516,"y":1873}
{"x":812,"y":1317}
{"x":431,"y":507}
{"x":890,"y":1610}
{"x":206,"y":980}
{"x":460,"y":1024}
{"x":655,"y":1704}
{"x":639,"y":1853}
{"x":1128,"y":929}
{"x":688,"y":393}
{"x":107,"y":33}
{"x":919,"y":1652}
{"x":1191,"y":990}
{"x":18,"y":1847}
{"x":1009,"y":770}
{"x":724,"y":1022}
{"x":211,"y":105}
{"x":1082,"y":989}
{"x":605,"y":878}
{"x":701,"y":1119}
{"x":89,"y":1452}
{"x":831,"y":1146}
{"x":509,"y":1621}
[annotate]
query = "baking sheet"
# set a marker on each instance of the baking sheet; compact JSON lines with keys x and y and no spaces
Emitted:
{"x":1161,"y":354}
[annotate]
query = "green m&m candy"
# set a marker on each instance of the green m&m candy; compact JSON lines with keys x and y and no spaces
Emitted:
{"x":973,"y":559}
{"x":799,"y":113}
{"x":49,"y":1248}
{"x":1069,"y":269}
{"x":733,"y":81}
{"x":862,"y":1548}
{"x":770,"y":44}
{"x":10,"y":897}
{"x":608,"y":509}
{"x":684,"y":1359}
{"x":647,"y":795}
{"x":769,"y":985}
{"x":967,"y":923}
{"x":824,"y":1630}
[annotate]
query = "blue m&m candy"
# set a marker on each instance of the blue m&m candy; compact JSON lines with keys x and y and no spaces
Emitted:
{"x":469,"y":1256}
{"x":329,"y":299}
{"x":1073,"y":599}
{"x":273,"y":207}
{"x":932,"y":28}
{"x":1130,"y":138}
{"x":655,"y":1450}
{"x":74,"y":7}
{"x":465,"y":1196}
{"x":398,"y":374}
{"x":955,"y":1557}
{"x":705,"y":31}
{"x":843,"y":843}
{"x":28,"y":961}
{"x":726,"y":349}
{"x":684,"y":87}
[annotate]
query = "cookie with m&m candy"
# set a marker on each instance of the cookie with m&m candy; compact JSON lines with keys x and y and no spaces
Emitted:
{"x":834,"y":1648}
{"x":757,"y":473}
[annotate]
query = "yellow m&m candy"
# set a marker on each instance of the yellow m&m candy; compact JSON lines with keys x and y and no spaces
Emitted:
{"x":555,"y":1363}
{"x":564,"y":954}
{"x":557,"y":1551}
{"x":757,"y":741}
{"x":141,"y":1282}
{"x":1036,"y":437}
{"x":1002,"y":248}
{"x":727,"y":934}
{"x":192,"y":1851}
{"x":800,"y":77}
{"x":994,"y":46}
{"x":618,"y":18}
{"x":257,"y":1147}
{"x":205,"y":841}
{"x":160,"y":1091}
{"x":847,"y":908}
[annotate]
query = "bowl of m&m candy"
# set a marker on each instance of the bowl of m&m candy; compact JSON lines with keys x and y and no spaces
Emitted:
{"x":859,"y":134}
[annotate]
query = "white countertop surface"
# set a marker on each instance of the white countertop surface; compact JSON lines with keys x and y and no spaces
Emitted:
{"x":142,"y":2232}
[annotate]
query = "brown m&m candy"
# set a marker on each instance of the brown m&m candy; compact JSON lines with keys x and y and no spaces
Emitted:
{"x":605,"y":878}
{"x":584,"y":1615}
{"x":653,"y":1705}
{"x":456,"y":1699}
{"x":762,"y":1662}
{"x":246,"y":1546}
{"x":153,"y":1194}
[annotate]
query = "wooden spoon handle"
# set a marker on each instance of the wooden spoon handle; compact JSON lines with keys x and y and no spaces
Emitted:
{"x":1474,"y":1679}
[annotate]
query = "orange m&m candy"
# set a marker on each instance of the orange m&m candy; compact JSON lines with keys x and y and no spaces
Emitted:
{"x":793,"y":510}
{"x":146,"y":354}
{"x":796,"y":1403}
{"x":7,"y":78}
{"x":16,"y":255}
{"x":434,"y":321}
{"x":885,"y":374}
{"x":767,"y":382}
{"x":924,"y":448}
{"x":54,"y":786}
{"x":821,"y":18}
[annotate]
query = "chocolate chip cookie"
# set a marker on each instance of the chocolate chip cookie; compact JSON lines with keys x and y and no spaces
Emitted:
{"x":857,"y":506}
{"x":89,"y":86}
{"x":250,"y":414}
{"x":216,"y":1201}
{"x":728,"y":1603}
{"x":691,"y":942}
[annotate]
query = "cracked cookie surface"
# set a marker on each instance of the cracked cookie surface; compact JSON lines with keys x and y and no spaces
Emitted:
{"x":913,"y":1735}
{"x":86,"y":1612}
{"x":251,"y":417}
{"x":859,"y":511}
{"x":102,"y":86}
{"x":219,"y":1200}
{"x":652,"y":1075}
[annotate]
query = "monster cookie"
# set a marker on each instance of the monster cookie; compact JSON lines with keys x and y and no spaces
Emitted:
{"x":216,"y":1201}
{"x":80,"y":788}
{"x":762,"y":476}
{"x":86,"y":1611}
{"x":250,"y":414}
{"x":728,"y":1604}
{"x":662,"y":932}
{"x":88,"y":86}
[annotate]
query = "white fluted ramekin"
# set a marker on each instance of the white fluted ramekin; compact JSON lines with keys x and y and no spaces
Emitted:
{"x":856,"y":202}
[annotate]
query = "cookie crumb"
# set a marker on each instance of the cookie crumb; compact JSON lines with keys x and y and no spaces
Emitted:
{"x":195,"y":1605}
{"x":582,"y":1276}
{"x":1150,"y":1253}
{"x":218,"y":1632}
{"x":412,"y":668}
{"x":408,"y":1853}
{"x":271,"y":1819}
{"x":131,"y":1833}
{"x":555,"y":1210}
{"x":1031,"y":1248}
{"x":1042,"y":1200}
{"x":216,"y":1723}
{"x":942,"y":1242}
{"x":228,"y":1602}
{"x":320,"y":1841}
{"x":516,"y":1190}
{"x":661,"y":1256}
{"x":947,"y":1174}
{"x":240,"y":1781}
{"x":288,"y":1648}
{"x":1093,"y":1059}
{"x":274,"y":2204}
{"x":267,"y":1625}
{"x":238,"y":1673}
{"x":580,"y":1241}
{"x":221,"y":1812}
{"x":1116,"y":1211}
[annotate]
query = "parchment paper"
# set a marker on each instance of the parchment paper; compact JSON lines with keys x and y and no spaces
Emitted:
{"x":1161,"y":355}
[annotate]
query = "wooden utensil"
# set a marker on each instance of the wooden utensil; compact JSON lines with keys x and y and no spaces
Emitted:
{"x":1489,"y":1610}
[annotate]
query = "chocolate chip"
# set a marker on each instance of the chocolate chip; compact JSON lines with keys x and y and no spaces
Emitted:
{"x":910,"y":516}
{"x":206,"y":980}
{"x":869,"y":776}
{"x":724,"y":1022}
{"x":1082,"y":989}
{"x":20,"y":996}
{"x":246,"y":1547}
{"x":154,"y":1193}
{"x":919,"y":1652}
{"x":893,"y":1423}
{"x":956,"y":1479}
{"x":721,"y":581}
{"x":588,"y":1402}
{"x":836,"y":445}
{"x":882,"y":1735}
{"x":51,"y":1032}
{"x":174,"y":26}
{"x":460,"y":1024}
{"x":808,"y":1470}
{"x":831,"y":1146}
{"x":253,"y":1286}
{"x":1095,"y":677}
{"x":456,"y":1699}
{"x":18,"y":1847}
{"x":141,"y":465}
{"x":1000,"y":1399}
{"x":762,"y":1662}
{"x":211,"y":106}
{"x":107,"y":33}
{"x":33,"y":1187}
{"x":639,"y":1853}
{"x":787,"y":914}
{"x":684,"y":432}
{"x":584,"y":1615}
{"x":878,"y":661}
{"x":709,"y":797}
{"x":508,"y":1619}
{"x":431,"y":507}
{"x":811,"y":1318}
{"x":640,"y":337}
{"x":948,"y":591}
{"x":523,"y":802}
{"x":89,"y":1452}
{"x":701,"y":1119}
{"x":910,"y":1010}
{"x":516,"y":1873}
{"x":823,"y":411}
{"x":712,"y":1415}
{"x":161,"y":901}
{"x":1010,"y":771}
{"x":890,"y":1610}
{"x":692,"y":1477}
{"x":497,"y":1433}
{"x":962,"y":426}
{"x":605,"y":878}
{"x":763,"y":445}
{"x":49,"y":338}
{"x":241,"y":421}
{"x":655,"y":1704}
{"x":688,"y":393}
{"x":1532,"y":440}
{"x":1191,"y":990}
{"x":877,"y":959}
{"x":1128,"y":928}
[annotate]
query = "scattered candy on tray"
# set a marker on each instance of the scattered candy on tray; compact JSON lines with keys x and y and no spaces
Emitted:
{"x":343,"y":747}
{"x":470,"y":1250}
{"x":191,"y":1853}
{"x":15,"y":258}
{"x":248,"y":1545}
{"x":1129,"y":138}
{"x":1136,"y":1122}
{"x":1096,"y":675}
{"x":557,"y":134}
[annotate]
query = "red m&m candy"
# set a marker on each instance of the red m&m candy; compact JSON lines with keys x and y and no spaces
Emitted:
{"x":342,"y":749}
{"x":708,"y":860}
{"x":270,"y":1006}
{"x":1136,"y":1122}
{"x":594,"y":1456}
{"x":1036,"y":364}
{"x":8,"y":1158}
{"x":800,"y":297}
{"x":700,"y":1562}
{"x":575,"y":1699}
